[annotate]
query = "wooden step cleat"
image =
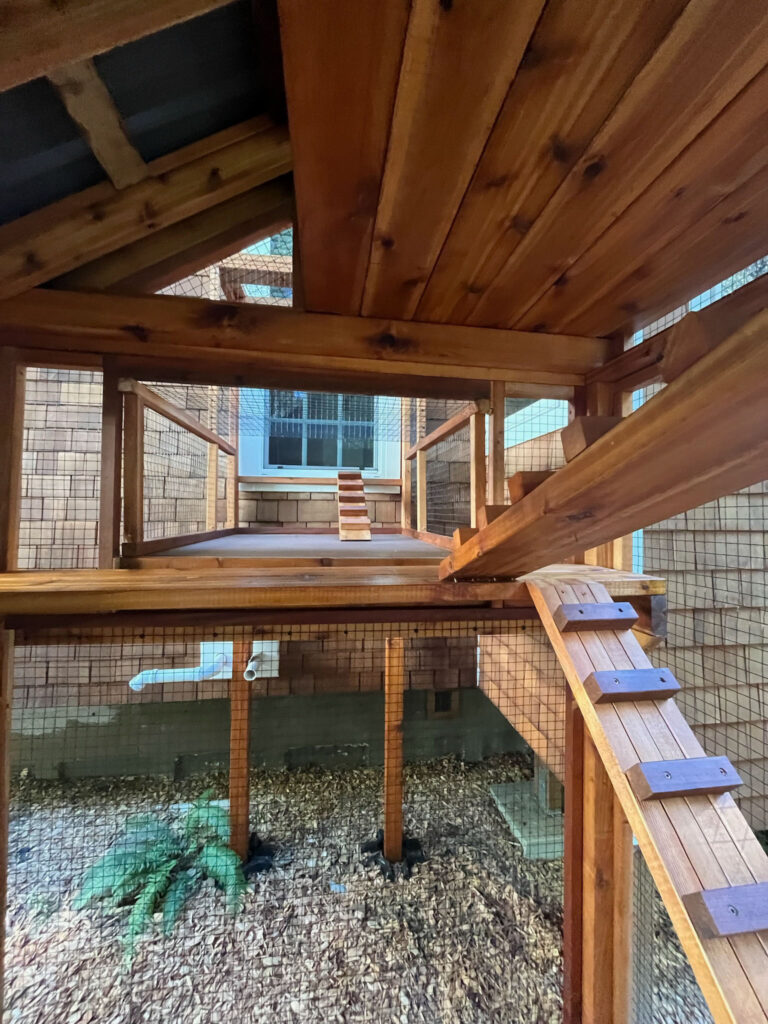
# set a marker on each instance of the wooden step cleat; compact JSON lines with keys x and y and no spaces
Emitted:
{"x":353,"y":510}
{"x":688,"y":776}
{"x":570,"y":618}
{"x":520,"y":484}
{"x":733,"y":910}
{"x":630,"y":684}
{"x":487,"y":513}
{"x":583,"y":431}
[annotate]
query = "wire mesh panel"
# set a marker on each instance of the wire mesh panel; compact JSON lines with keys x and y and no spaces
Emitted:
{"x":175,"y":475}
{"x":121,"y":745}
{"x":532,"y":435}
{"x":448,"y":484}
{"x":664,"y":989}
{"x":59,"y":514}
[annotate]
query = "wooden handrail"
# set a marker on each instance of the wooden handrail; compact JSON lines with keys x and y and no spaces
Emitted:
{"x":175,"y":413}
{"x":449,"y":428}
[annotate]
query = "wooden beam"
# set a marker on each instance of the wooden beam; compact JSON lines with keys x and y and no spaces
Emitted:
{"x":133,"y":468}
{"x":166,"y":256}
{"x":439,"y":110}
{"x":239,"y":737}
{"x":695,"y":440}
{"x":339,"y":160}
{"x":75,"y":230}
{"x":93,"y":110}
{"x":12,"y":391}
{"x":477,"y":468}
{"x":573,"y":860}
{"x":198,"y":330}
{"x":211,"y":486}
{"x":38,"y":36}
{"x":421,"y":491}
{"x":394,"y":683}
{"x":496,"y":472}
{"x":6,"y":695}
{"x":111,"y":470}
{"x":406,"y":466}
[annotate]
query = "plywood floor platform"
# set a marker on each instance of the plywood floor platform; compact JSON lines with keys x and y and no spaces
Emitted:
{"x":288,"y":550}
{"x":96,"y":591}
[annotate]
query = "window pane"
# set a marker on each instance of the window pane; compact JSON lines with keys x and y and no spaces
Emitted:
{"x":357,"y":453}
{"x":358,"y":407}
{"x":322,"y":444}
{"x":322,"y":406}
{"x":288,"y":404}
{"x":285,"y":451}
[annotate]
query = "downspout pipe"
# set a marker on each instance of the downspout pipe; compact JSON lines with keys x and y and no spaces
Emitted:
{"x":151,"y":676}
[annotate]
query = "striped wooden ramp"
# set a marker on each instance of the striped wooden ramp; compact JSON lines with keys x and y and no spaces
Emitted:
{"x":354,"y":521}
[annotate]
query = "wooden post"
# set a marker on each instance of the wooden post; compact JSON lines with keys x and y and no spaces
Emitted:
{"x":421,"y":490}
{"x":111,"y":467}
{"x":233,"y":496}
{"x":496,"y":473}
{"x":231,"y":492}
{"x":406,"y":466}
{"x":12,"y":390}
{"x":477,"y":474}
{"x":212,"y":486}
{"x":394,"y":680}
{"x":133,"y":482}
{"x":573,"y":859}
{"x":6,"y":692}
{"x":239,"y":736}
{"x":623,"y":905}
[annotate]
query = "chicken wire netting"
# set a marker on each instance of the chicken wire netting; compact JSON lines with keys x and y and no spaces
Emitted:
{"x":121,"y":746}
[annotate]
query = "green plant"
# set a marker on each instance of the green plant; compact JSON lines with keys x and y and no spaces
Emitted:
{"x":153,"y":867}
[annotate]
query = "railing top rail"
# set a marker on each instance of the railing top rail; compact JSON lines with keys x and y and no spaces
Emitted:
{"x":449,"y":428}
{"x":174,"y":413}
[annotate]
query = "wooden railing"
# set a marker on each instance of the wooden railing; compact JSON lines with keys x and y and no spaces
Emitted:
{"x":136,"y":399}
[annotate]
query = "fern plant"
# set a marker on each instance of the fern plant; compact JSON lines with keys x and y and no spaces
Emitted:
{"x":154,"y":868}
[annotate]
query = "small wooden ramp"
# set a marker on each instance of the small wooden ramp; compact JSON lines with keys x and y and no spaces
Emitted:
{"x":354,"y":521}
{"x":709,"y":867}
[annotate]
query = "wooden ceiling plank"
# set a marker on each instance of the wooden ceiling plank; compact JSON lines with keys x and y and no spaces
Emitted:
{"x":93,"y":110}
{"x":704,"y":420}
{"x":211,"y":236}
{"x":39,"y":35}
{"x":73,"y":231}
{"x":711,"y":53}
{"x":458,"y":64}
{"x":162,"y":326}
{"x":727,"y":239}
{"x":580,"y":61}
{"x":341,"y":60}
{"x":718,"y":162}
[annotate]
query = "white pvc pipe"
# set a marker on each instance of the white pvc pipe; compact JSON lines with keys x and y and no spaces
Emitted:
{"x":252,"y":668}
{"x":151,"y":676}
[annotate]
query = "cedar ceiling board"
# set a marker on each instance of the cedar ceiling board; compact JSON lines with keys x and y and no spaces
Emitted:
{"x":458,"y":63}
{"x":39,"y":35}
{"x":56,"y":239}
{"x":730,"y":237}
{"x":731,"y":150}
{"x":341,"y":60}
{"x":581,"y":59}
{"x":709,"y":56}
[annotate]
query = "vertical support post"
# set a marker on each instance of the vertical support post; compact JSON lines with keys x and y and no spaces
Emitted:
{"x":211,"y":486}
{"x":133,"y":483}
{"x":573,"y":859}
{"x":239,"y":736}
{"x":623,"y":863}
{"x":406,"y":466}
{"x":477,"y":466}
{"x":421,"y":490}
{"x":394,"y":681}
{"x":12,"y":390}
{"x":496,"y":477}
{"x":6,"y":691}
{"x":231,"y":491}
{"x":111,"y":466}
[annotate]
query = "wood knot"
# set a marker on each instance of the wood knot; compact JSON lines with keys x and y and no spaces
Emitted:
{"x":593,"y":169}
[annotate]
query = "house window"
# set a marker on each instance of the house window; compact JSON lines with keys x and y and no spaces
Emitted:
{"x":312,"y":430}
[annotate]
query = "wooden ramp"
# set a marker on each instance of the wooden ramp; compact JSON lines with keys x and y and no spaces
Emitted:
{"x":708,"y":865}
{"x":354,"y":521}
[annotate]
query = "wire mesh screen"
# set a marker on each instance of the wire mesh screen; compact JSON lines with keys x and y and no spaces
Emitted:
{"x":175,"y":475}
{"x":59,"y":514}
{"x":121,"y":748}
{"x":448,"y":484}
{"x":664,"y":989}
{"x":532,"y":435}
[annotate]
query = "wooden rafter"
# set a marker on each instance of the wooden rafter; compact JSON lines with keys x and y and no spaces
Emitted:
{"x":215,"y":333}
{"x":698,"y":438}
{"x":73,"y":231}
{"x":38,"y":36}
{"x":93,"y":110}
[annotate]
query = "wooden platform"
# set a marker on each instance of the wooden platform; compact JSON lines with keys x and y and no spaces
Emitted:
{"x":94,"y":591}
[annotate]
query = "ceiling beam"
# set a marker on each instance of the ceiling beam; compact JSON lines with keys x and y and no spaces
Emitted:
{"x":698,"y":438}
{"x":39,"y":35}
{"x":93,"y":110}
{"x":219,"y":333}
{"x":211,"y":236}
{"x":73,"y":231}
